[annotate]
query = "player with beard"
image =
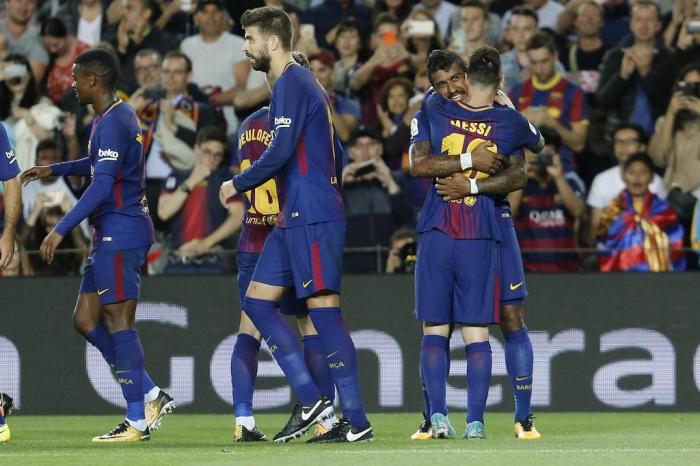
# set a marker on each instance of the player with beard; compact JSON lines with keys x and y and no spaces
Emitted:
{"x":305,"y":248}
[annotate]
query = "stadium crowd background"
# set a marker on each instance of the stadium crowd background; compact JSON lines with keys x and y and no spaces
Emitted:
{"x":604,"y":80}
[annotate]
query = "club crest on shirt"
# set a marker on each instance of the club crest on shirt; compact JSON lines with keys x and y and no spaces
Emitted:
{"x":470,"y":200}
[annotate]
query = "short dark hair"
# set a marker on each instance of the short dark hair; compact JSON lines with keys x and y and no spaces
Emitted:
{"x":301,"y":58}
{"x":640,"y":157}
{"x":403,"y":233}
{"x":522,"y":10}
{"x":54,"y":27}
{"x":476,"y":4}
{"x":485,"y":67}
{"x":178,"y":54}
{"x":597,"y":5}
{"x":146,"y":52}
{"x":47,"y":144}
{"x":100,"y":62}
{"x":271,"y":21}
{"x":642,"y":3}
{"x":551,"y":137}
{"x":641,"y":135}
{"x":443,"y":60}
{"x":384,"y":18}
{"x":541,"y":40}
{"x":689,"y":68}
{"x":349,"y":24}
{"x":211,"y":133}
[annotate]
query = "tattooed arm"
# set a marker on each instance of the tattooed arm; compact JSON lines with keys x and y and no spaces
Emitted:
{"x":514,"y":177}
{"x":424,"y":163}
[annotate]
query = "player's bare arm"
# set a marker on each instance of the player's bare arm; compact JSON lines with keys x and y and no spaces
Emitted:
{"x":424,"y":163}
{"x":13,"y":207}
{"x":512,"y":178}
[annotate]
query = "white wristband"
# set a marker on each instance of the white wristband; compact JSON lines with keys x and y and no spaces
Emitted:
{"x":473,"y":187}
{"x":466,"y":160}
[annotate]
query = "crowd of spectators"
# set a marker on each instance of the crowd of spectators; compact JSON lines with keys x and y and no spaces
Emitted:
{"x":613,"y":84}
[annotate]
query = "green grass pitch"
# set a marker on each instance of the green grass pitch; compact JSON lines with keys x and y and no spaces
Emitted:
{"x":569,"y":439}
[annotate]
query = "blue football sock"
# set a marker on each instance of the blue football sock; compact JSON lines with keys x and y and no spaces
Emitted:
{"x":244,"y":370}
{"x":128,"y":368}
{"x":478,"y":379}
{"x":284,"y":346}
{"x":2,"y":419}
{"x":426,"y":400}
{"x":519,"y":363}
{"x":102,"y":340}
{"x":315,"y":358}
{"x":341,"y":358}
{"x":433,"y":364}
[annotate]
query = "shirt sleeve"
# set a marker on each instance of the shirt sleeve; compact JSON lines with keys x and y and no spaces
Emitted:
{"x":80,"y":167}
{"x":112,"y":144}
{"x":99,"y":190}
{"x":290,"y":104}
{"x":9,"y":167}
{"x":528,"y":132}
{"x":420,"y":127}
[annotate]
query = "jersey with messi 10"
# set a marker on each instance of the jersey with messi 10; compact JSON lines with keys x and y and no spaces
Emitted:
{"x":261,"y":203}
{"x":115,"y":154}
{"x":305,"y":153}
{"x":452,"y":129}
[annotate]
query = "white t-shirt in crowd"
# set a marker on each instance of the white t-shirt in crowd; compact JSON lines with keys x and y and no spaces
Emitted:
{"x":608,"y":184}
{"x":90,"y":31}
{"x":212,"y":65}
{"x":30,"y":192}
{"x":547,"y":15}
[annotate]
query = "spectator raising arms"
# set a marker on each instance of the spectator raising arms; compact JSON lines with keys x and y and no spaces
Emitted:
{"x":63,"y":48}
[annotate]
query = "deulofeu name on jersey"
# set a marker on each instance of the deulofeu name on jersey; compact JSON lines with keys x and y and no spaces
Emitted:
{"x":282,"y":122}
{"x":482,"y":129}
{"x":107,"y":154}
{"x":259,"y":135}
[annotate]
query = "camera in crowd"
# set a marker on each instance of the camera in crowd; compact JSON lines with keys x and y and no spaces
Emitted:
{"x":689,"y":89}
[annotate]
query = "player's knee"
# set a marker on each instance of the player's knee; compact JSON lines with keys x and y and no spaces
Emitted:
{"x":512,"y":318}
{"x":83,"y":325}
{"x":306,"y":326}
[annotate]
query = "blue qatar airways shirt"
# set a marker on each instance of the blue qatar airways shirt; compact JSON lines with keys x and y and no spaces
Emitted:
{"x":115,"y":201}
{"x":305,"y":154}
{"x":452,"y":129}
{"x":9,"y":168}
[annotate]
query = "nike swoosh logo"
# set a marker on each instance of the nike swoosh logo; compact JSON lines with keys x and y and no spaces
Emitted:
{"x":305,"y":285}
{"x":520,"y":379}
{"x":516,"y":286}
{"x":331,"y":355}
{"x":307,"y":416}
{"x":101,"y":292}
{"x":353,"y":437}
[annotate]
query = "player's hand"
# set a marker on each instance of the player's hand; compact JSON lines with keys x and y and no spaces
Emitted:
{"x":123,"y":35}
{"x":452,"y":188}
{"x":34,"y":173}
{"x":226,"y":193}
{"x":503,"y":99}
{"x":692,"y":103}
{"x":49,"y":245}
{"x":486,"y":160}
{"x":7,"y":250}
{"x":555,"y":170}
